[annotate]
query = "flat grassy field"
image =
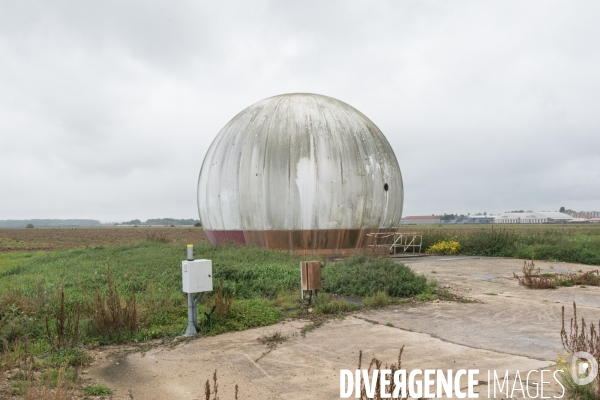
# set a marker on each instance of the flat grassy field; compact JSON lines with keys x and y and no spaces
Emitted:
{"x":258,"y":281}
{"x":570,"y":243}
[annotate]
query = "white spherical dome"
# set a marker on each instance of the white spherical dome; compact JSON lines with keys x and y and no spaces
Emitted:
{"x":302,"y":172}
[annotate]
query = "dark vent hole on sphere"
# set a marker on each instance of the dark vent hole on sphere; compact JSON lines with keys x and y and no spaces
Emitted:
{"x":385,"y":187}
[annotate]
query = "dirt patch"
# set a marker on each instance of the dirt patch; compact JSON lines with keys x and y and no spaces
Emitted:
{"x":48,"y":239}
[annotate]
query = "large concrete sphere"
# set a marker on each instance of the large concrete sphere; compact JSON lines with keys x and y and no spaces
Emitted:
{"x":303,"y":172}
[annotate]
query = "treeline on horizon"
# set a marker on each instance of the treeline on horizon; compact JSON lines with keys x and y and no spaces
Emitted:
{"x":162,"y":221}
{"x":30,"y":223}
{"x":22,"y":223}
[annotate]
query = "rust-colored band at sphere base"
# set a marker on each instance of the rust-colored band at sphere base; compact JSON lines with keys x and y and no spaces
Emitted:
{"x":316,"y":241}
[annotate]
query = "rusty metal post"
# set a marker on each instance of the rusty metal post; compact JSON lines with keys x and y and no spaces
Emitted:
{"x":310,"y":278}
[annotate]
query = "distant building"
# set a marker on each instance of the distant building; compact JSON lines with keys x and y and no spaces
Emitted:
{"x":532,"y":218}
{"x":584,"y":214}
{"x":579,"y":221}
{"x":479,"y":219}
{"x":421,"y":220}
{"x":470,"y":219}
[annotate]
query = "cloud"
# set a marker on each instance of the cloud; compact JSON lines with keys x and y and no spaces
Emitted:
{"x":107,"y":108}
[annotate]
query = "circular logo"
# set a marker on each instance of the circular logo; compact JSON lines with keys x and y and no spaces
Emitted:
{"x":589,"y":367}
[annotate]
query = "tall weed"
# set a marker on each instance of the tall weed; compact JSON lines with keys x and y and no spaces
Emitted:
{"x":66,"y":324}
{"x":579,"y":339}
{"x":111,"y":315}
{"x":220,"y":300}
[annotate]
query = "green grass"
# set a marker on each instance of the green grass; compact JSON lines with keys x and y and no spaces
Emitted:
{"x":264,"y":285}
{"x":29,"y":282}
{"x":326,"y":305}
{"x":378,"y":300}
{"x":565,"y":283}
{"x":244,"y":314}
{"x":97,"y":390}
{"x":66,"y":358}
{"x":569,"y":243}
{"x":287,"y":300}
{"x":426,"y":297}
{"x":578,"y":392}
{"x":53,"y":376}
{"x":19,"y":388}
{"x":428,"y":293}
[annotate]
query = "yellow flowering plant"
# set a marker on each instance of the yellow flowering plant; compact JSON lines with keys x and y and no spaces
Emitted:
{"x":445,"y":247}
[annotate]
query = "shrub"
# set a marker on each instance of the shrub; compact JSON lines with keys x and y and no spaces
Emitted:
{"x":533,"y":279}
{"x":591,"y":278}
{"x":445,"y":247}
{"x":365,"y":276}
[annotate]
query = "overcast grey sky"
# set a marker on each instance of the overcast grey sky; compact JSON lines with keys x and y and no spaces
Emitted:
{"x":107,"y":108}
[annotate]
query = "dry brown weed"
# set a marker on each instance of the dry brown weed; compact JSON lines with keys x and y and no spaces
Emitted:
{"x":112,"y":314}
{"x":377,"y":364}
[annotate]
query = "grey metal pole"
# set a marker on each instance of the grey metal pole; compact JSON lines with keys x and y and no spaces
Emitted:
{"x":301,"y":287}
{"x":191,"y":328}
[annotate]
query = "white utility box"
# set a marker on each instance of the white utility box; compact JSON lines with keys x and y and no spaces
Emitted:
{"x":197,"y":276}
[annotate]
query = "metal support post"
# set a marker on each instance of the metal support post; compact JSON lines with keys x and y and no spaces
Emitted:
{"x":193,"y":327}
{"x":192,"y":315}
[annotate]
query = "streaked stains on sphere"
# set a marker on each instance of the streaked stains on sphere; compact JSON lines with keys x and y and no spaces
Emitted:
{"x":300,"y":171}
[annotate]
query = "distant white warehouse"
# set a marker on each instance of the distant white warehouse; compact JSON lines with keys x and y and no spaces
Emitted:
{"x":421,"y":220}
{"x":532,"y":218}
